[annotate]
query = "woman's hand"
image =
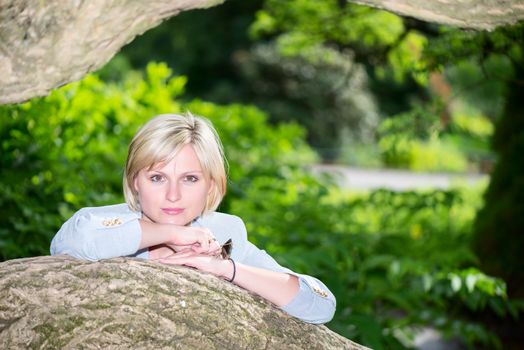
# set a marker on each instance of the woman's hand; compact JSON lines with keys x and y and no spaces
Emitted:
{"x":194,"y":239}
{"x":204,"y":262}
{"x":178,"y":238}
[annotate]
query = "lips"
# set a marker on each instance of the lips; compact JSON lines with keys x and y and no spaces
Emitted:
{"x":172,"y":211}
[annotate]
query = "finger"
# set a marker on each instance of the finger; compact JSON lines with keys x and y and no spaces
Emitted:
{"x":214,"y":252}
{"x":215,"y":246}
{"x":171,"y":261}
{"x":191,"y":261}
{"x":204,"y":244}
{"x":181,"y":248}
{"x":184,"y":254}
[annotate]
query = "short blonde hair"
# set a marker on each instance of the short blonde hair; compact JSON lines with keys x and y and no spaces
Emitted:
{"x":161,"y":138}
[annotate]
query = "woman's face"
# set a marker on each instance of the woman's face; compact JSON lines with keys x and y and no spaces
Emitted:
{"x":174,"y":192}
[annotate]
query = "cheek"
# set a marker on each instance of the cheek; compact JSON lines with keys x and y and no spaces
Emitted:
{"x":143,"y":191}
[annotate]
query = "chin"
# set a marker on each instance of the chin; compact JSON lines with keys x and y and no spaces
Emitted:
{"x":172,"y":221}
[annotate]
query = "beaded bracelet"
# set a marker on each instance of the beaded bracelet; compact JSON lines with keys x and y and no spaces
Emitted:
{"x":234,"y":269}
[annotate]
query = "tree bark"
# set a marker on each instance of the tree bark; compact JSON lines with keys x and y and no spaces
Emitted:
{"x":473,"y":14}
{"x":46,"y":44}
{"x":499,"y":236}
{"x":62,"y":303}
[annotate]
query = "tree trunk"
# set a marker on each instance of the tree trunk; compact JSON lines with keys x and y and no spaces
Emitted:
{"x":63,"y":303}
{"x":474,"y":14}
{"x":499,"y":227}
{"x":46,"y":44}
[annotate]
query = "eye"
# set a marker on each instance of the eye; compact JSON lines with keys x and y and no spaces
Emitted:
{"x":156,"y":178}
{"x":190,"y":178}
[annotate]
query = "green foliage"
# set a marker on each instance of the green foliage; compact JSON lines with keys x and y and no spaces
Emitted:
{"x":482,"y":86}
{"x":377,"y":38}
{"x":419,"y":141}
{"x":321,"y":88}
{"x":489,"y":66}
{"x":453,"y":45}
{"x":202,"y":45}
{"x":395,"y":261}
{"x":412,"y":140}
{"x":500,"y":223}
{"x":67,"y":150}
{"x":404,"y":58}
{"x":312,"y":22}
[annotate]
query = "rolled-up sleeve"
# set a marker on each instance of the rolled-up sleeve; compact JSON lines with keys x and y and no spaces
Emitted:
{"x":314,"y":302}
{"x":99,"y":233}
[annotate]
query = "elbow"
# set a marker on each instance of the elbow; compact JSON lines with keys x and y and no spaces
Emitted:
{"x":78,"y":249}
{"x":316,"y":310}
{"x":323,"y":313}
{"x":73,"y":240}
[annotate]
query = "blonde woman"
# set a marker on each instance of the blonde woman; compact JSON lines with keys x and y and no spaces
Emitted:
{"x":174,"y":180}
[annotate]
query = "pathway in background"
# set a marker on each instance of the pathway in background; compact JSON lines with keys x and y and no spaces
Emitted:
{"x":399,"y":180}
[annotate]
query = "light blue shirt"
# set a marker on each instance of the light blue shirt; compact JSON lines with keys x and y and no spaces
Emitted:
{"x":112,"y":231}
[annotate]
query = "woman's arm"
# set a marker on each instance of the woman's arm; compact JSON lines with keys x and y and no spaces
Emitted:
{"x":299,"y":295}
{"x":96,"y":233}
{"x":197,"y":239}
{"x":112,"y":231}
{"x":313,"y":303}
{"x":277,"y":287}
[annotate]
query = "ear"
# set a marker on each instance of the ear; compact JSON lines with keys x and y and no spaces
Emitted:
{"x":212,"y":186}
{"x":135,"y":183}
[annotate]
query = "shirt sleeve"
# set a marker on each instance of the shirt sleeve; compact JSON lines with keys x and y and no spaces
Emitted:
{"x":99,"y":233}
{"x":314,"y":302}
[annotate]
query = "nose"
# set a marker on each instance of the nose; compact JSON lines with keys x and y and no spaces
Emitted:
{"x":173,"y":192}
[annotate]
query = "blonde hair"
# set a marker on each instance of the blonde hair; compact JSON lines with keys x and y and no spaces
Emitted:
{"x":161,"y":138}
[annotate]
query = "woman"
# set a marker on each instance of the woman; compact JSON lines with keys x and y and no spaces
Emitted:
{"x":174,"y":180}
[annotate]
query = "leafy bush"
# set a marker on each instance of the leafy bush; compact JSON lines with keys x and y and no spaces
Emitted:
{"x":67,"y":150}
{"x":395,"y":261}
{"x":418,"y":140}
{"x":322,"y":89}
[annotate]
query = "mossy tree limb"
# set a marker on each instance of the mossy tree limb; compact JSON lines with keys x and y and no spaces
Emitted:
{"x":63,"y":303}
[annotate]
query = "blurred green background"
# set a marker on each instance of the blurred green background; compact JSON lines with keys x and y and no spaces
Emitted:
{"x":295,"y":83}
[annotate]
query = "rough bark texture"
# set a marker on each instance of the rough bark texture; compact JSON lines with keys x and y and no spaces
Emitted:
{"x":475,"y":14}
{"x":46,"y":44}
{"x":62,"y":303}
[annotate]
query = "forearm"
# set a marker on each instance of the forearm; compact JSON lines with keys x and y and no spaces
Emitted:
{"x":154,"y":234}
{"x":177,"y":237}
{"x":277,"y":287}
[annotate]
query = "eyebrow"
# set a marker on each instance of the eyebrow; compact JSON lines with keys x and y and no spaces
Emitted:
{"x":184,"y":173}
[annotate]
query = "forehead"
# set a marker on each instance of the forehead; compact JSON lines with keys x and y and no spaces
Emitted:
{"x":186,"y":159}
